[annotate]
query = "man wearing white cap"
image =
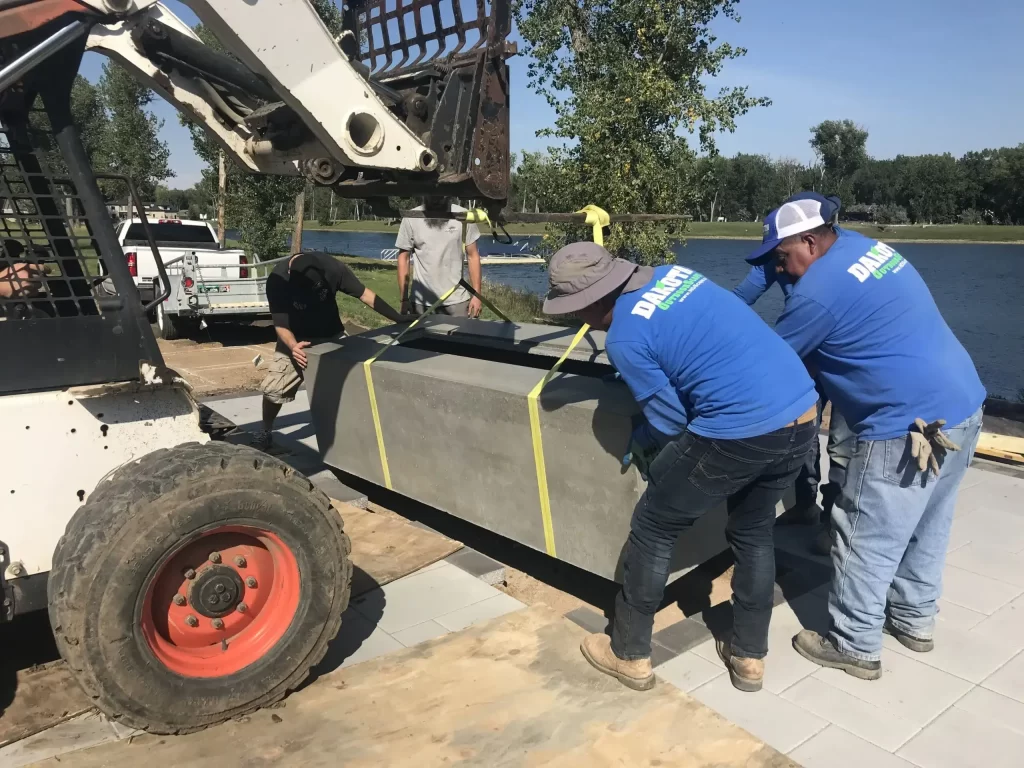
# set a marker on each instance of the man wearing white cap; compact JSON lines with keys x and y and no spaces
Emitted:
{"x":805,"y":511}
{"x":861,"y":317}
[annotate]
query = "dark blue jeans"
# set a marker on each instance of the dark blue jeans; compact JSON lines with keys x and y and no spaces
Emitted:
{"x":691,"y":476}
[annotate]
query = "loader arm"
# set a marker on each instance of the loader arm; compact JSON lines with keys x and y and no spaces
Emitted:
{"x":410,"y":98}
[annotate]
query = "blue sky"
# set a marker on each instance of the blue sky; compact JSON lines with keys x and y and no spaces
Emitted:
{"x":922,"y":76}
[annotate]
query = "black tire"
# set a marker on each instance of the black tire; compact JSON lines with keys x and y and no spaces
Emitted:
{"x":171,"y":327}
{"x":133,"y":522}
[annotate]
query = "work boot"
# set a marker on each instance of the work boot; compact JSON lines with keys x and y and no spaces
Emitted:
{"x":638,"y":675}
{"x":821,"y":651}
{"x":746,"y":674}
{"x":917,"y":644}
{"x":262,"y":440}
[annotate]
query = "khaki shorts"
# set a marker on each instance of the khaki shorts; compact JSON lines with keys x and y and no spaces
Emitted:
{"x":283,"y":379}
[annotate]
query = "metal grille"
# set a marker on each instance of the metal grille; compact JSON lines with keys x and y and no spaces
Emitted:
{"x":50,"y":266}
{"x":403,"y":34}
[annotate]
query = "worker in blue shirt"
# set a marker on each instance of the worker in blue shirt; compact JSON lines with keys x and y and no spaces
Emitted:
{"x":840,"y":440}
{"x":730,"y":411}
{"x":862,"y":317}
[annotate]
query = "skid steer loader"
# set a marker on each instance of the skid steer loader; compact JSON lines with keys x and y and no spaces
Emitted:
{"x":188,"y":580}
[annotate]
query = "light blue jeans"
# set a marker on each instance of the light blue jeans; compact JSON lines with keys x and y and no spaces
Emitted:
{"x":891,"y":527}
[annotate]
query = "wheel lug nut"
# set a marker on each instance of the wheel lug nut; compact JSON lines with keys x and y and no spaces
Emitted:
{"x":190,"y":573}
{"x":179,"y":599}
{"x":192,"y":621}
{"x":212,"y":600}
{"x":241,"y":607}
{"x":240,"y":561}
{"x":218,"y":624}
{"x":215,"y":557}
{"x":250,"y":582}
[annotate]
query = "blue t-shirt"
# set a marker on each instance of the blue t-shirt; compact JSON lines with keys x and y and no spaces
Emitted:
{"x":759,"y":279}
{"x":865,"y":320}
{"x":694,"y":356}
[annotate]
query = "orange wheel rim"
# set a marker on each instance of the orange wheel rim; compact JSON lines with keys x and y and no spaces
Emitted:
{"x":221,"y":602}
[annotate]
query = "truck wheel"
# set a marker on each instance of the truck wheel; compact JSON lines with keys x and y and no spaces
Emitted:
{"x":197,"y":584}
{"x":172,"y":326}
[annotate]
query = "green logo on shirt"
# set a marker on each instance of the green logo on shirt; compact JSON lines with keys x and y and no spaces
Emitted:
{"x":877,"y":263}
{"x":676,"y":285}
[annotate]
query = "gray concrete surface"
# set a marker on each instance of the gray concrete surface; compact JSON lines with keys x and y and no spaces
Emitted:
{"x":961,"y":705}
{"x":457,"y":436}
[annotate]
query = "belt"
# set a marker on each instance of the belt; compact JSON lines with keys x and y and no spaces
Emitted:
{"x":809,"y":415}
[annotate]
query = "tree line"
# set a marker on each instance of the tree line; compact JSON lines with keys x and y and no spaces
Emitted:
{"x":984,"y":187}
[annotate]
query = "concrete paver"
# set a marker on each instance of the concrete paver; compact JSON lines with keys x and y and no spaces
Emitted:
{"x":777,"y":722}
{"x":977,"y":592}
{"x":998,"y":528}
{"x":861,"y":718}
{"x":1008,"y":679}
{"x":960,"y":705}
{"x":1008,"y":620}
{"x":420,"y":633}
{"x":961,"y":738}
{"x":907,"y":688}
{"x":972,"y":654}
{"x":490,"y":608}
{"x":986,"y":560}
{"x":953,"y":615}
{"x":688,"y":671}
{"x":995,"y":708}
{"x":420,"y":597}
{"x":836,"y":748}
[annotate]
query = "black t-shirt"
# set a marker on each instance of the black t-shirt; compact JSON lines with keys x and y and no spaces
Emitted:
{"x":301,"y":295}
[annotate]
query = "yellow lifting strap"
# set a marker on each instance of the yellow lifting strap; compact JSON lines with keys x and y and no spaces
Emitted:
{"x":538,"y":446}
{"x":373,"y":394}
{"x":597,"y":218}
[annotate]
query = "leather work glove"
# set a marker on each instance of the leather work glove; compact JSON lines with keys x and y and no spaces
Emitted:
{"x":928,"y":444}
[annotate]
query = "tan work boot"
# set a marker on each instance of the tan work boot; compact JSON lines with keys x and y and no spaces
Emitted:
{"x":746,"y":674}
{"x":638,"y":675}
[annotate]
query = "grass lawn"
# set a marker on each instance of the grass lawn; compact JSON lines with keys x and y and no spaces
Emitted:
{"x":747,"y":230}
{"x":381,"y":278}
{"x":967,"y":233}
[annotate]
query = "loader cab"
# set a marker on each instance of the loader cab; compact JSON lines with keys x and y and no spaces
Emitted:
{"x":69,"y":311}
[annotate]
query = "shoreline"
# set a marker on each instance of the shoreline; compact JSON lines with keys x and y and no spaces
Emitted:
{"x":886,"y":237}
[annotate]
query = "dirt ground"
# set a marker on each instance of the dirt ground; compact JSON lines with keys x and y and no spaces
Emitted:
{"x":220,"y":359}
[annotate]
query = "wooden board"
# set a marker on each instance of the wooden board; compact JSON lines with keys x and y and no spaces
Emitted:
{"x":1006,"y":447}
{"x":514,"y":691}
{"x":384,"y":548}
{"x":42,"y":696}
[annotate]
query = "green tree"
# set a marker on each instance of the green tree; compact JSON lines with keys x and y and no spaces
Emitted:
{"x":840,"y":146}
{"x":754,"y":187}
{"x":931,"y":187}
{"x":625,"y":77}
{"x":131,"y":137}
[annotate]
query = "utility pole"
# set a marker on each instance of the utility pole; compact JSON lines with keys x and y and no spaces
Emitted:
{"x":300,"y":211}
{"x":222,"y":195}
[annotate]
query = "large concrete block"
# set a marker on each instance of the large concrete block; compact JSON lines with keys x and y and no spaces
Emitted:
{"x":455,"y":422}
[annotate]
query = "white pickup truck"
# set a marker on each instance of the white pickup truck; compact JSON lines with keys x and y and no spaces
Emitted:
{"x":174,"y":239}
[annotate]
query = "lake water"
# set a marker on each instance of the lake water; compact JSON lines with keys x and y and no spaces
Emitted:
{"x":978,"y":288}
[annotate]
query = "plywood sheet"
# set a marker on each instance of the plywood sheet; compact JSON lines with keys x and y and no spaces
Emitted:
{"x":514,"y":691}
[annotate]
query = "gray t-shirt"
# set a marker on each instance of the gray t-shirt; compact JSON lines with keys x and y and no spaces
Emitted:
{"x":436,"y":248}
